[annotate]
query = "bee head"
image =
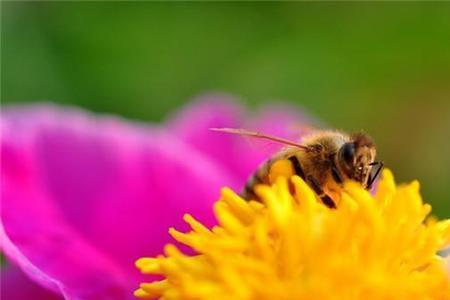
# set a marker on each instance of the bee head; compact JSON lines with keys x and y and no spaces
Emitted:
{"x":355,"y":157}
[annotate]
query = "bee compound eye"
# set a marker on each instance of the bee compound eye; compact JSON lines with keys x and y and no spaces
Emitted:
{"x":348,"y":151}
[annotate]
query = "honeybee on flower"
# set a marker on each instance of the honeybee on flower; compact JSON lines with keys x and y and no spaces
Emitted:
{"x":377,"y":246}
{"x":324,"y":159}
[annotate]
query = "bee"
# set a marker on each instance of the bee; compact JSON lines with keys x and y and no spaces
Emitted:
{"x":323,"y":159}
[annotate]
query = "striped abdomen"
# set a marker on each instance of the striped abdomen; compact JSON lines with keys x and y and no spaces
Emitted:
{"x":285,"y":163}
{"x":290,"y":165}
{"x":259,"y":176}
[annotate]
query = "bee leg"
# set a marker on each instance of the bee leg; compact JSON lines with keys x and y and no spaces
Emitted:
{"x":319,"y":191}
{"x":370,"y":179}
{"x":336,"y":175}
{"x":297,"y":166}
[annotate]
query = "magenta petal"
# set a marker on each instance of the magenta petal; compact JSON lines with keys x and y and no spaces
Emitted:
{"x":192,"y":125}
{"x":238,"y":154}
{"x":84,"y":197}
{"x":15,"y":285}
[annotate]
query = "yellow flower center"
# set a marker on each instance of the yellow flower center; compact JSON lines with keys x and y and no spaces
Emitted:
{"x":291,"y":246}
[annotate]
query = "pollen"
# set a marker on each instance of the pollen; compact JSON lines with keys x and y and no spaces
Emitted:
{"x":291,"y":246}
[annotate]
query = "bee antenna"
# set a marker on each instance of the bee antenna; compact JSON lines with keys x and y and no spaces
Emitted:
{"x":260,"y":135}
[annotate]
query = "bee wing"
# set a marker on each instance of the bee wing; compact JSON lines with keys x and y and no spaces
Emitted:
{"x":260,"y":135}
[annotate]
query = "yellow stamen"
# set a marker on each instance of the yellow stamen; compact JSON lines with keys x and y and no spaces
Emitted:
{"x":379,"y":247}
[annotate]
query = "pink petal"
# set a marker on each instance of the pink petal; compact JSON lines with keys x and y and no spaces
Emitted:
{"x":240,"y":155}
{"x":17,"y":286}
{"x":84,"y":197}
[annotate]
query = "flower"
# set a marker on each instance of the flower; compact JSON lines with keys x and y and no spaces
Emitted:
{"x":79,"y":191}
{"x":293,"y":247}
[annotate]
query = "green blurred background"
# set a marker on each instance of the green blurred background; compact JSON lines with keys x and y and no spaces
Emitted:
{"x":381,"y":67}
